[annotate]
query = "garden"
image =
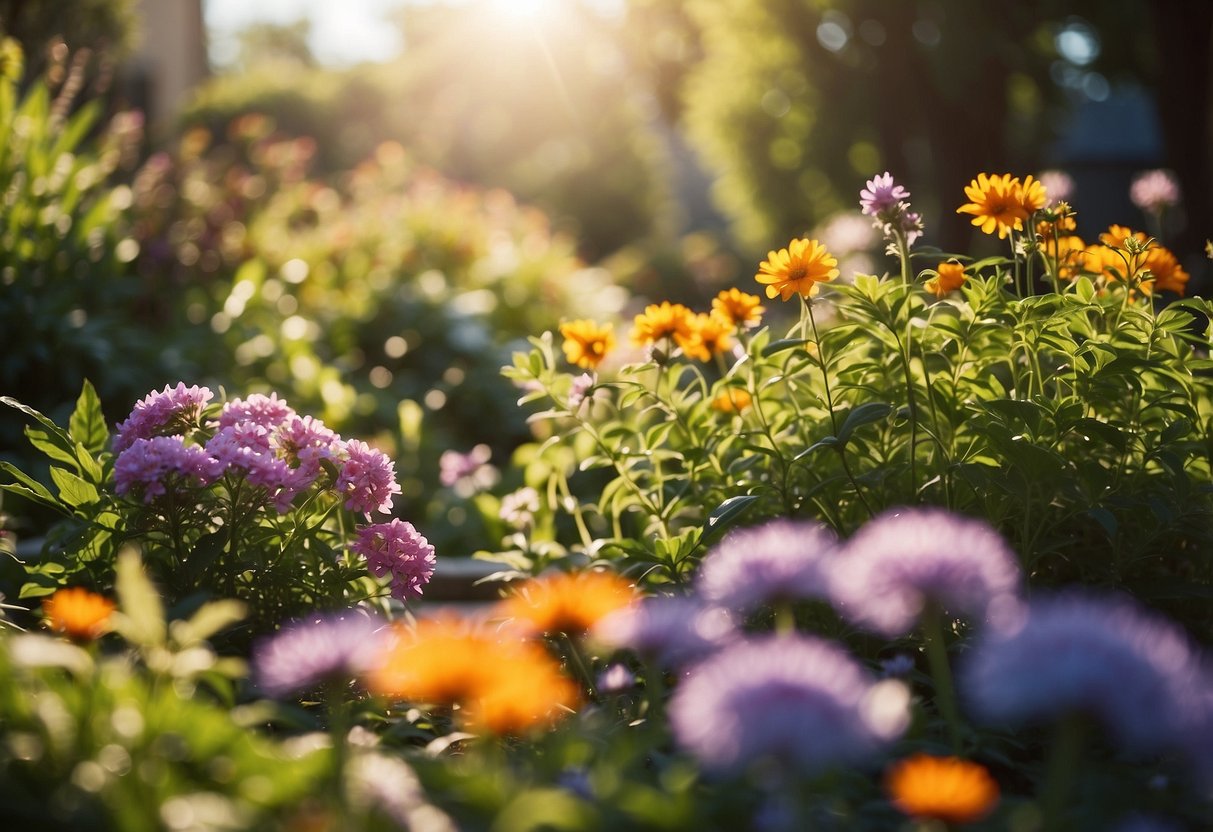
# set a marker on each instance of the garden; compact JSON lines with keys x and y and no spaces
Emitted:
{"x":885,"y":503}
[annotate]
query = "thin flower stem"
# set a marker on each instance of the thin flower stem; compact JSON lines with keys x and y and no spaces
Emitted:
{"x":941,"y":673}
{"x":1063,"y":765}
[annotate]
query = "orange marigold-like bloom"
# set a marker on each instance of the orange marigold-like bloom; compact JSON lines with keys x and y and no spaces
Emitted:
{"x":664,"y":320}
{"x":567,"y":602}
{"x":732,"y":400}
{"x":1116,"y":235}
{"x":995,"y":203}
{"x":740,"y":309}
{"x":586,"y":342}
{"x":502,"y":684}
{"x":951,"y":275}
{"x":80,"y":614}
{"x":1044,"y":228}
{"x":797,"y":269}
{"x":1032,"y":195}
{"x":1072,"y":256}
{"x":942,"y":788}
{"x":709,"y":336}
{"x":1169,"y":275}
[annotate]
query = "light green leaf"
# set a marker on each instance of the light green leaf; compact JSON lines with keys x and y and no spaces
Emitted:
{"x":208,"y":620}
{"x":142,"y":618}
{"x":87,"y":424}
{"x":73,"y":490}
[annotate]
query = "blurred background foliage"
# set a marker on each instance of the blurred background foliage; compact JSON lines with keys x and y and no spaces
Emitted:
{"x":373,"y":240}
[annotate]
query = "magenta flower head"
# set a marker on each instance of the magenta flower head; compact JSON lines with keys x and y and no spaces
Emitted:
{"x":906,"y":558}
{"x":367,"y":479}
{"x":324,"y":649}
{"x":673,"y":630}
{"x":1104,"y":656}
{"x":399,"y":550}
{"x":152,"y":467}
{"x":170,"y":411}
{"x":1155,"y":191}
{"x":882,"y":196}
{"x":267,"y":411}
{"x":798,"y":700}
{"x":782,"y":560}
{"x":305,"y":442}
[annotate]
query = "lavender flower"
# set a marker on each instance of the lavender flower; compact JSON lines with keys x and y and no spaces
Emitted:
{"x":897,"y":667}
{"x":469,"y":473}
{"x":398,"y":549}
{"x":782,"y":560}
{"x":245,"y":447}
{"x":800,"y":700}
{"x":155,"y":465}
{"x":367,"y":479}
{"x":305,"y":442}
{"x":577,"y":392}
{"x":169,"y":411}
{"x":323,"y":649}
{"x":388,"y":785}
{"x":905,"y":558}
{"x":882,"y":196}
{"x":616,"y":679}
{"x":1154,"y":191}
{"x":1058,"y":185}
{"x":674,"y":630}
{"x":267,"y":411}
{"x":1104,"y":656}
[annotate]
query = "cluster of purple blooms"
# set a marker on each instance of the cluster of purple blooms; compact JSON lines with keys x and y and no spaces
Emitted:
{"x":262,"y":448}
{"x":806,"y":703}
{"x":887,"y":203}
{"x":324,"y":649}
{"x":261,"y":439}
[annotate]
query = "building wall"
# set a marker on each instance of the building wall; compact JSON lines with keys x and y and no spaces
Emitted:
{"x":171,"y":58}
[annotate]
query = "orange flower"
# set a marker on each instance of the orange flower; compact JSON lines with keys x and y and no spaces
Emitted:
{"x":797,"y":269}
{"x":732,"y":400}
{"x":81,"y":614}
{"x":586,"y":343}
{"x":1116,"y":235}
{"x":709,"y":336}
{"x":996,"y":203}
{"x":739,"y":309}
{"x":1044,"y":228}
{"x":502,"y":684}
{"x":1169,"y":275}
{"x":567,"y":602}
{"x":667,"y":320}
{"x":1032,"y":195}
{"x":951,"y":275}
{"x":942,"y":788}
{"x":1072,"y":256}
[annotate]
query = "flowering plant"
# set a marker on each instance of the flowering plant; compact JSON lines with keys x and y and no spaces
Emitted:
{"x":245,"y":500}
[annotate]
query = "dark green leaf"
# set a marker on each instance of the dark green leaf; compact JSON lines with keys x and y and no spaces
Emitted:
{"x":87,"y":423}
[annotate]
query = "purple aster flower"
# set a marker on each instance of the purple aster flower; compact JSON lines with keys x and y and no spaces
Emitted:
{"x":323,"y":649}
{"x":267,"y":411}
{"x":906,"y":558}
{"x":245,"y":447}
{"x":1154,"y":191}
{"x":169,"y":411}
{"x":153,"y":466}
{"x":800,"y":700}
{"x":782,"y":560}
{"x":398,"y":549}
{"x":674,"y":630}
{"x":881,"y":196}
{"x":1104,"y":656}
{"x":616,"y":679}
{"x":1058,"y":185}
{"x":897,"y":667}
{"x":367,"y":479}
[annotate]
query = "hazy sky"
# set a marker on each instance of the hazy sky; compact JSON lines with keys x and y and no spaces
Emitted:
{"x":343,"y":31}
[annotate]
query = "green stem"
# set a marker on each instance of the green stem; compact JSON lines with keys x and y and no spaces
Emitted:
{"x":583,"y":670}
{"x":941,"y":673}
{"x":339,"y":729}
{"x":1063,"y":767}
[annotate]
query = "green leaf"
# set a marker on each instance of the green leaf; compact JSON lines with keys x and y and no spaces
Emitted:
{"x":142,"y":619}
{"x":864,"y":414}
{"x":87,"y":424}
{"x":210,"y":619}
{"x":52,"y":429}
{"x":727,"y":513}
{"x":59,"y":450}
{"x":73,"y":490}
{"x":30,"y":488}
{"x":784,"y":344}
{"x":824,"y":442}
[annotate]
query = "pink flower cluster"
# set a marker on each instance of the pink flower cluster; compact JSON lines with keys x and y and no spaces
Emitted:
{"x":164,"y":413}
{"x":398,"y":549}
{"x":260,"y":438}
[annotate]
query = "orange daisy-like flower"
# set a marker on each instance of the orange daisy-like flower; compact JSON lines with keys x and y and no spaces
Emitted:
{"x":1115,"y":259}
{"x":732,"y":400}
{"x":78,"y":613}
{"x":1032,"y":195}
{"x":739,"y":309}
{"x":797,"y":269}
{"x":586,"y":343}
{"x":1044,"y":228}
{"x":951,"y":275}
{"x":1072,"y":256}
{"x":567,"y":602}
{"x":501,"y":684}
{"x":664,"y":320}
{"x":942,"y":788}
{"x":709,"y":336}
{"x":1116,"y":235}
{"x":995,"y":203}
{"x":1169,"y":275}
